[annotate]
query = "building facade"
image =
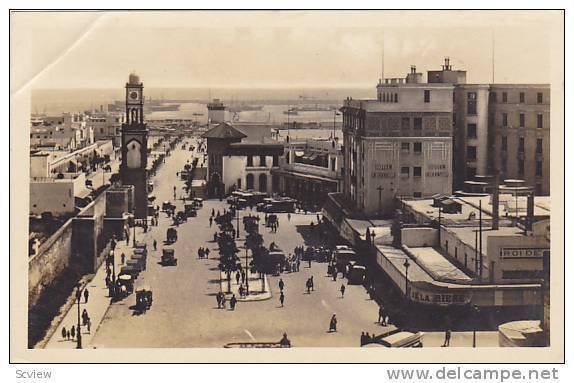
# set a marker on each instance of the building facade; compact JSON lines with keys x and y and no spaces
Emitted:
{"x":520,"y":116}
{"x":310,"y":170}
{"x":398,"y":145}
{"x":499,"y":129}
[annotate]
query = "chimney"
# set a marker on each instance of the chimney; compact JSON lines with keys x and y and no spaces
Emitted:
{"x":446,"y":65}
{"x":495,"y":203}
{"x":413,"y":69}
{"x":529,"y":211}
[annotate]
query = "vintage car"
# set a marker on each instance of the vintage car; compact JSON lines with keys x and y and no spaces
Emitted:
{"x":168,"y":257}
{"x":181,"y":216}
{"x":130,"y":270}
{"x":190,"y":209}
{"x":171,"y":235}
{"x":166,"y":205}
{"x":125,"y":284}
{"x":144,"y":298}
{"x":356,"y":274}
{"x":397,"y":339}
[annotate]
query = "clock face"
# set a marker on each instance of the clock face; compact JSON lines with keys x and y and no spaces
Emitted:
{"x":134,"y":95}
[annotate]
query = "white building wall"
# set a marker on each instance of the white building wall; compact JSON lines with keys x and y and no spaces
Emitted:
{"x":56,"y":197}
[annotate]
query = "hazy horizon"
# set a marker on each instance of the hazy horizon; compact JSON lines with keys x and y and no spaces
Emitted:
{"x":275,"y":49}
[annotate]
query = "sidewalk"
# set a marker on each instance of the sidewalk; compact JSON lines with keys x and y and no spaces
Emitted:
{"x":255,"y":287}
{"x":98,"y":301}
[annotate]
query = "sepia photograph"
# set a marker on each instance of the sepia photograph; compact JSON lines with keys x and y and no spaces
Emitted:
{"x":308,"y":186}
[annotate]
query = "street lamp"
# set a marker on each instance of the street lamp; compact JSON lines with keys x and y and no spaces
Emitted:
{"x":78,"y":297}
{"x":407,"y":265}
{"x":237,"y":210}
{"x":373,"y":238}
{"x":113,"y":259}
{"x":475,"y":309}
{"x":246,"y":272}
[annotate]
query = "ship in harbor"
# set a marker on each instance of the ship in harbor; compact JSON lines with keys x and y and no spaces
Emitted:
{"x":244,"y":108}
{"x":315,"y":108}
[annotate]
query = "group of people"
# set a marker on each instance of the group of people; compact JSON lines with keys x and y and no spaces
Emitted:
{"x":366,"y":338}
{"x":222,"y":300}
{"x":70,"y":334}
{"x":203,"y":252}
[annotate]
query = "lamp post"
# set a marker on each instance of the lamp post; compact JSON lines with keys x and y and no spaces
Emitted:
{"x":237,"y":210}
{"x":407,"y":265}
{"x":246,"y":272}
{"x":78,"y":298}
{"x":113,"y":257}
{"x":134,"y":243}
{"x":475,"y":309}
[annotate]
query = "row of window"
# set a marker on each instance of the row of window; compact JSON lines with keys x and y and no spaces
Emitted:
{"x":504,"y":144}
{"x":522,"y":119}
{"x":417,"y":147}
{"x":521,"y":97}
{"x":520,"y":167}
{"x":389,"y":97}
{"x":406,"y":171}
{"x":262,"y":161}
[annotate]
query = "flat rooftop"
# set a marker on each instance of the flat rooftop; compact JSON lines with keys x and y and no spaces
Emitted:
{"x":440,"y":268}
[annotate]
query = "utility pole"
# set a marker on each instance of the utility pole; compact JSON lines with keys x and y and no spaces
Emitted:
{"x":380,"y":189}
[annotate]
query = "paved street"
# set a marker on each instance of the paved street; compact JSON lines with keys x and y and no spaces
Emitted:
{"x":184,"y":311}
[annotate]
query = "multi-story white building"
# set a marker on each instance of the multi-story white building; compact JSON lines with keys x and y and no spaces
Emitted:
{"x":397,"y":145}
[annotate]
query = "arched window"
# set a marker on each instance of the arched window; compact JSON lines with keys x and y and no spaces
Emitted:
{"x":263,"y":183}
{"x":249,"y":181}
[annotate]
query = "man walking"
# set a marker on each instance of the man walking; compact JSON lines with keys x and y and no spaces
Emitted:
{"x":123,"y":258}
{"x":342,"y":291}
{"x":218,"y":298}
{"x":237,"y":276}
{"x":333,"y":324}
{"x":64,"y":333}
{"x":382,"y":316}
{"x":308,"y":285}
{"x":154,"y":245}
{"x":206,"y":252}
{"x":210,"y":221}
{"x":86,"y":295}
{"x":446,"y":338}
{"x":282,"y":298}
{"x":281,"y":285}
{"x":233,"y":302}
{"x":312,"y":283}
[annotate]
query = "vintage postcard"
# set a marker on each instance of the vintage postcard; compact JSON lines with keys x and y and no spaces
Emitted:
{"x":287,"y":186}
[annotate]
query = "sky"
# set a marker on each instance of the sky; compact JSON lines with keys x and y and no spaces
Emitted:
{"x":276,"y":49}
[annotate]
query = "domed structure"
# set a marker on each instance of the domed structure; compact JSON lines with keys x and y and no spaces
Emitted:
{"x":134,"y":79}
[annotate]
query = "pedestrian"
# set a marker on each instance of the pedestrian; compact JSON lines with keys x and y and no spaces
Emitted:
{"x":243,"y":276}
{"x":223,"y":300}
{"x":333,"y":324}
{"x":64,"y":332}
{"x":309,"y":260}
{"x":73,"y":331}
{"x":154,"y":245}
{"x":84,"y":317}
{"x":123,"y":258}
{"x":200,"y":253}
{"x":289,"y":217}
{"x":206,"y":252}
{"x":68,"y":334}
{"x":237,"y":276}
{"x":308,"y":285}
{"x":312,"y":283}
{"x":382,"y":316}
{"x":86,"y":295}
{"x":233,"y":302}
{"x":281,"y":284}
{"x":342,"y":291}
{"x":212,"y":212}
{"x":447,"y":338}
{"x":89,"y":324}
{"x":218,"y":298}
{"x":210,"y":221}
{"x":241,"y":291}
{"x":298,"y":263}
{"x":108,"y":281}
{"x":334,"y":273}
{"x":282,"y":298}
{"x":318,"y":219}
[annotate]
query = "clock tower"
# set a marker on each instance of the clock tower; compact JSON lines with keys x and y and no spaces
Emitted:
{"x":134,"y":146}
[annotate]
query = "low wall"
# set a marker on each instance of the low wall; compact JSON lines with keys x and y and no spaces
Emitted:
{"x":419,"y":237}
